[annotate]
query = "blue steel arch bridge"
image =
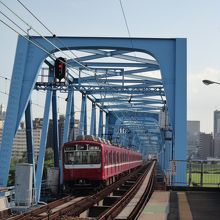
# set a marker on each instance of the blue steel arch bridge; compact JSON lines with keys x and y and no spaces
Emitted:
{"x":137,"y":84}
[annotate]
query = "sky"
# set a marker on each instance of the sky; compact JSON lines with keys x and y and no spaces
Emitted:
{"x":196,"y":20}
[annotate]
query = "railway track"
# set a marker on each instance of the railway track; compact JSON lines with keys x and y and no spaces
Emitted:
{"x":104,"y":205}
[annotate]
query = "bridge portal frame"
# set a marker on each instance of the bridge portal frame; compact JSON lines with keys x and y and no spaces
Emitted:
{"x":169,"y":53}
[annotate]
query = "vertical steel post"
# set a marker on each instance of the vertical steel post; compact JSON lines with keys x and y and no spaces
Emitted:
{"x":72,"y":119}
{"x":55,"y":129}
{"x":100,"y":133}
{"x":201,"y":177}
{"x":85,"y":116}
{"x":66,"y":129}
{"x":190,"y":172}
{"x":68,"y":117}
{"x":82,"y":115}
{"x":29,"y":134}
{"x":42,"y":148}
{"x":93,"y":120}
{"x":30,"y":142}
{"x":43,"y":141}
{"x":107,"y":135}
{"x":180,"y":110}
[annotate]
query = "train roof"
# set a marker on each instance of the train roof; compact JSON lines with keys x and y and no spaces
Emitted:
{"x":100,"y":141}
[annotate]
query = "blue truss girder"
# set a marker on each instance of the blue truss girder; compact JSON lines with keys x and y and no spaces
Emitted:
{"x":109,"y":72}
{"x":105,"y":89}
{"x":121,"y":106}
{"x":110,"y":65}
{"x":108,"y":80}
{"x":119,"y":54}
{"x":170,"y":57}
{"x":133,"y":101}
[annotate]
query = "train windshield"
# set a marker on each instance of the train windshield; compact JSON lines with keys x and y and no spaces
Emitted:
{"x":82,"y":154}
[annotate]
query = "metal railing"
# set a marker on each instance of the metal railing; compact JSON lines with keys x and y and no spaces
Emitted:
{"x":201,"y":173}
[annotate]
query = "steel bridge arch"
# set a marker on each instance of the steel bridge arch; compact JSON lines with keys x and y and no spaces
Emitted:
{"x":169,"y":53}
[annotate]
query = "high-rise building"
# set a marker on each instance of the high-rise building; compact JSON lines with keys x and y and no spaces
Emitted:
{"x":2,"y":112}
{"x":193,"y":138}
{"x":217,"y":134}
{"x":19,"y":148}
{"x":206,"y":146}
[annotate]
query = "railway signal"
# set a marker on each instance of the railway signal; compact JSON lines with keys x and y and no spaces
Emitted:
{"x":60,"y":68}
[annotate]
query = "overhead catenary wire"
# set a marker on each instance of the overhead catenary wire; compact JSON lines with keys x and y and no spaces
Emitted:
{"x":66,"y":47}
{"x":54,"y":35}
{"x":59,"y":97}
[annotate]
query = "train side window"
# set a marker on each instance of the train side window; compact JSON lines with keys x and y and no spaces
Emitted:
{"x":109,"y":157}
{"x":106,"y":157}
{"x":118,"y":157}
{"x":114,"y":158}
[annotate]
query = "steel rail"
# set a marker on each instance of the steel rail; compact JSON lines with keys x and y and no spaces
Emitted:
{"x":42,"y":209}
{"x":77,"y":208}
{"x":120,"y":205}
{"x":144,"y":199}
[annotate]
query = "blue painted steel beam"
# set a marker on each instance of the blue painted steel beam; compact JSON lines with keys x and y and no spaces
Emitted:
{"x":109,"y":73}
{"x":85,"y":117}
{"x":107,"y":135}
{"x":67,"y":125}
{"x":12,"y":118}
{"x":85,"y":58}
{"x":42,"y":147}
{"x":180,"y":110}
{"x":110,"y":64}
{"x":72,"y":119}
{"x":55,"y":129}
{"x":119,"y":81}
{"x":69,"y":106}
{"x":133,"y":100}
{"x":100,"y":133}
{"x":82,"y":115}
{"x":29,"y":134}
{"x":93,"y":120}
{"x":30,"y":142}
{"x":131,"y":92}
{"x":124,"y":108}
{"x":121,"y":54}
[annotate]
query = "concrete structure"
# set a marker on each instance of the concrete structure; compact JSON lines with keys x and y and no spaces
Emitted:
{"x":193,"y":138}
{"x":217,"y":134}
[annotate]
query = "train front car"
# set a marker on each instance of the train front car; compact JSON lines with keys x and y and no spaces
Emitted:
{"x":93,"y":161}
{"x":82,"y":163}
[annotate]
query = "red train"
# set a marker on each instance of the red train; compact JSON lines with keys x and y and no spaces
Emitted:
{"x":89,"y":160}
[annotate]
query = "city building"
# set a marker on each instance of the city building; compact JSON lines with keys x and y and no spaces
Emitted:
{"x":217,"y":134}
{"x":20,"y":146}
{"x":193,"y":139}
{"x":19,"y":149}
{"x":206,"y":146}
{"x":2,"y":112}
{"x":61,"y":131}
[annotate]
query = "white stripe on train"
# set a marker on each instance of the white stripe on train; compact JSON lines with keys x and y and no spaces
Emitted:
{"x":95,"y":166}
